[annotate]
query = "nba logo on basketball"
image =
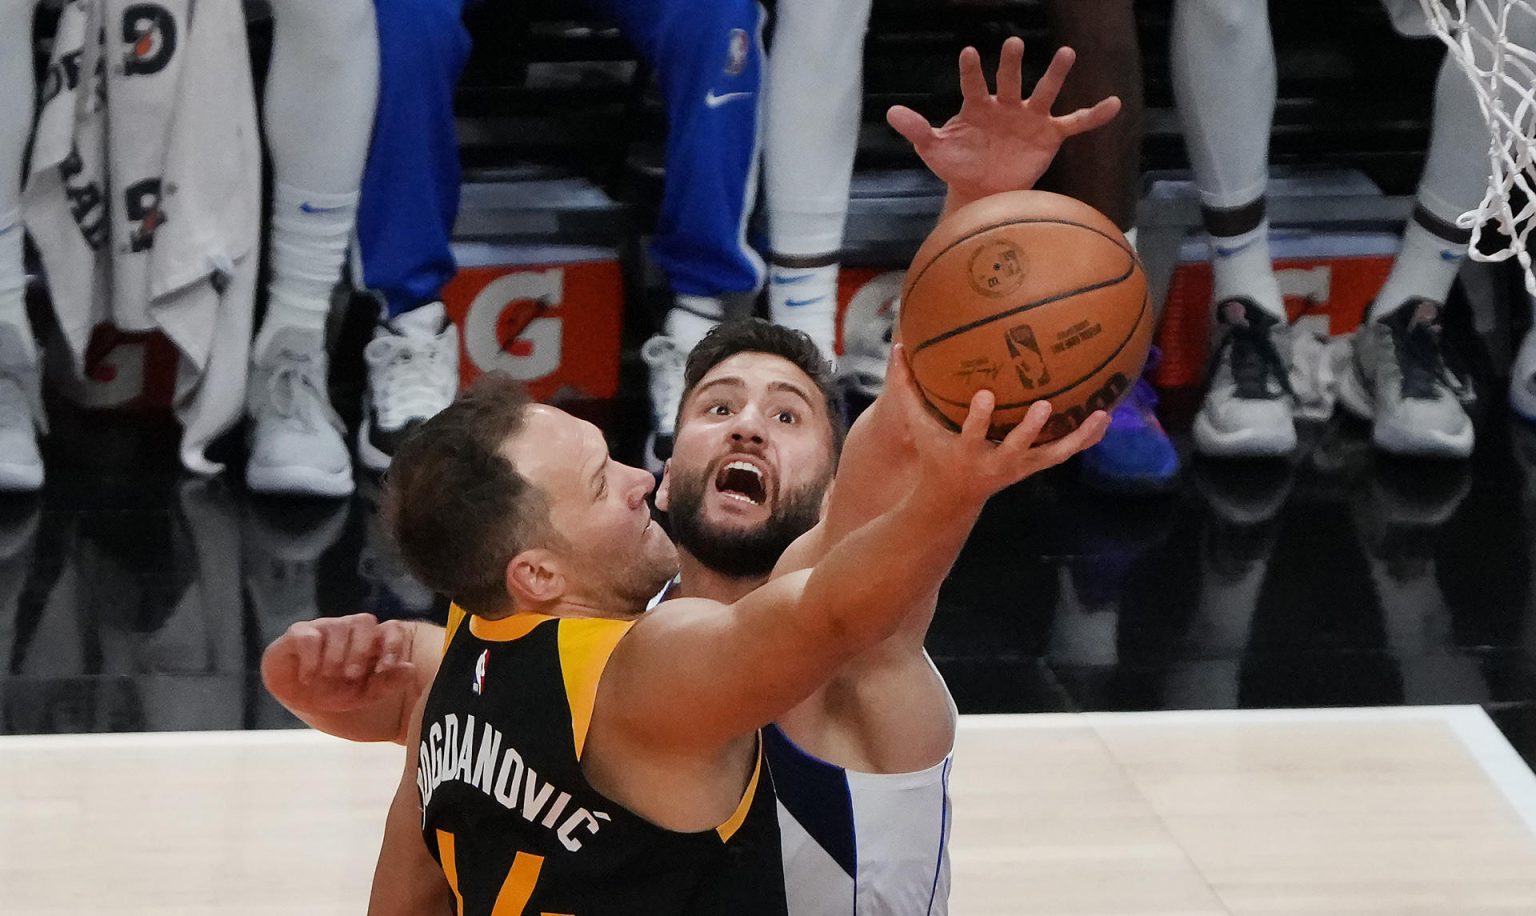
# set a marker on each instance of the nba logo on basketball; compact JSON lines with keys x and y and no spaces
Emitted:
{"x":1028,"y":361}
{"x":736,"y":53}
{"x":479,"y":683}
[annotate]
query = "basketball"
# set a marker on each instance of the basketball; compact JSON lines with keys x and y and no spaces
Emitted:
{"x":1031,"y":295}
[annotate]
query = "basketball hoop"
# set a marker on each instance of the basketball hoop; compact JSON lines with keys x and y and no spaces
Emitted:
{"x":1476,"y":34}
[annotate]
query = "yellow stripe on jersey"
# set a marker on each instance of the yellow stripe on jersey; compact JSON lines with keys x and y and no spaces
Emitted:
{"x":729,"y":828}
{"x":585,"y":644}
{"x":505,"y":629}
{"x":445,"y":855}
{"x":517,"y":890}
{"x":456,"y":617}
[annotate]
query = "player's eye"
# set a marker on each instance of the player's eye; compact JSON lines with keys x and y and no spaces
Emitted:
{"x":718,"y":409}
{"x":787,"y":416}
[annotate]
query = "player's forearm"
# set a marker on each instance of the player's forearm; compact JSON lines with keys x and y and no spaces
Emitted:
{"x":867,"y":586}
{"x":382,"y":718}
{"x":378,"y":721}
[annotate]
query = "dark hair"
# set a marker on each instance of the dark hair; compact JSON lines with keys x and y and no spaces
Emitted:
{"x":754,"y":335}
{"x":457,"y":507}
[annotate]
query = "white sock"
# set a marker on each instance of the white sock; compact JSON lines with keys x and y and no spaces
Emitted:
{"x":424,"y":322}
{"x":692,"y":318}
{"x":310,"y":235}
{"x":1426,"y":266}
{"x":1241,"y":266}
{"x":805,"y":299}
{"x":286,"y":314}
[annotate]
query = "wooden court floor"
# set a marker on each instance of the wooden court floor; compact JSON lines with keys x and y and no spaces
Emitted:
{"x":1409,"y":810}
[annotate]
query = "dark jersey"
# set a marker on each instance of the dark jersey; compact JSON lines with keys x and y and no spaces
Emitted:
{"x":509,"y":814}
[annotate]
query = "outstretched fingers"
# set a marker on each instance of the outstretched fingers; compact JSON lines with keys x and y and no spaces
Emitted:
{"x":1055,"y":77}
{"x":911,"y":125}
{"x":979,"y":418}
{"x":1010,"y":72}
{"x":1085,"y":436}
{"x":1085,"y":119}
{"x":973,"y":86}
{"x":1022,"y":437}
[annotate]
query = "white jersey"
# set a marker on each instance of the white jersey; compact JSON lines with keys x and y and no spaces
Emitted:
{"x":860,"y":844}
{"x":145,"y":189}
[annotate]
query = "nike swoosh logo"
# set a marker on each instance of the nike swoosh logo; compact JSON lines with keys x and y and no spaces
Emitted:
{"x":715,"y":101}
{"x":1444,"y":255}
{"x":785,"y":281}
{"x":308,"y":207}
{"x":1229,"y":252}
{"x":794,"y":303}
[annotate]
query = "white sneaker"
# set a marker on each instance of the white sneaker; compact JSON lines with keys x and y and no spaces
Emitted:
{"x":666,"y":361}
{"x":1399,"y":381}
{"x":1247,"y":411}
{"x":867,"y":330}
{"x":296,"y":445}
{"x":21,"y":414}
{"x":413,"y":373}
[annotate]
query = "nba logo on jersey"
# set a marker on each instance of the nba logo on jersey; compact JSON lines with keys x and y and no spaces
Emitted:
{"x":736,"y":53}
{"x":479,"y":682}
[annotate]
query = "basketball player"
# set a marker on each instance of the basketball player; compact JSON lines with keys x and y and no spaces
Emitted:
{"x":885,"y":850}
{"x":518,"y":513}
{"x":1224,"y":80}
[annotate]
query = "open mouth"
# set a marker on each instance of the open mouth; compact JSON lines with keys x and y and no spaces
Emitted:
{"x":743,"y":482}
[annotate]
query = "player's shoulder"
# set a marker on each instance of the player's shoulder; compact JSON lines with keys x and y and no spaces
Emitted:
{"x":675,"y":612}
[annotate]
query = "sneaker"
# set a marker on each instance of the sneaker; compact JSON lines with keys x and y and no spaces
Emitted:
{"x":21,"y":415}
{"x":1248,"y":409}
{"x":1522,"y":379}
{"x":1399,"y":380}
{"x":666,"y":361}
{"x":296,"y":444}
{"x":1135,"y":455}
{"x":413,"y":373}
{"x":868,"y":327}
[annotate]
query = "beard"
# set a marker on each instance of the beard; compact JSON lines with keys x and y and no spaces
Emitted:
{"x":734,"y":551}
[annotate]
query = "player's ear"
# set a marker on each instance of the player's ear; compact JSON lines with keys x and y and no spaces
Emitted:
{"x":664,"y":489}
{"x":535,"y":578}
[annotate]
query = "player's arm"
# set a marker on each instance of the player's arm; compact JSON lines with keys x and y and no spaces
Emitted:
{"x":1001,"y":142}
{"x":353,"y":677}
{"x":407,"y":881}
{"x":996,"y":143}
{"x":692,"y":676}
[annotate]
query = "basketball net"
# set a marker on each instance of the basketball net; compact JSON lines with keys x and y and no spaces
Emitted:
{"x":1503,"y":74}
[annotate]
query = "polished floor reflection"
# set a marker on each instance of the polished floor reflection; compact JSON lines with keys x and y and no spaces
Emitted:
{"x":133,"y":598}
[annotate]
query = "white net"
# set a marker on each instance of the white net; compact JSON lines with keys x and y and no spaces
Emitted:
{"x":1482,"y":37}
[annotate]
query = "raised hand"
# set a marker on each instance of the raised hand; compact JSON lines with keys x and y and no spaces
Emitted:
{"x":999,"y":142}
{"x":339,"y":664}
{"x":968,"y":464}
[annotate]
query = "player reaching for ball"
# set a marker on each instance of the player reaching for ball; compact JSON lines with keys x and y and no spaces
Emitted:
{"x":864,"y":758}
{"x":1042,"y":296}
